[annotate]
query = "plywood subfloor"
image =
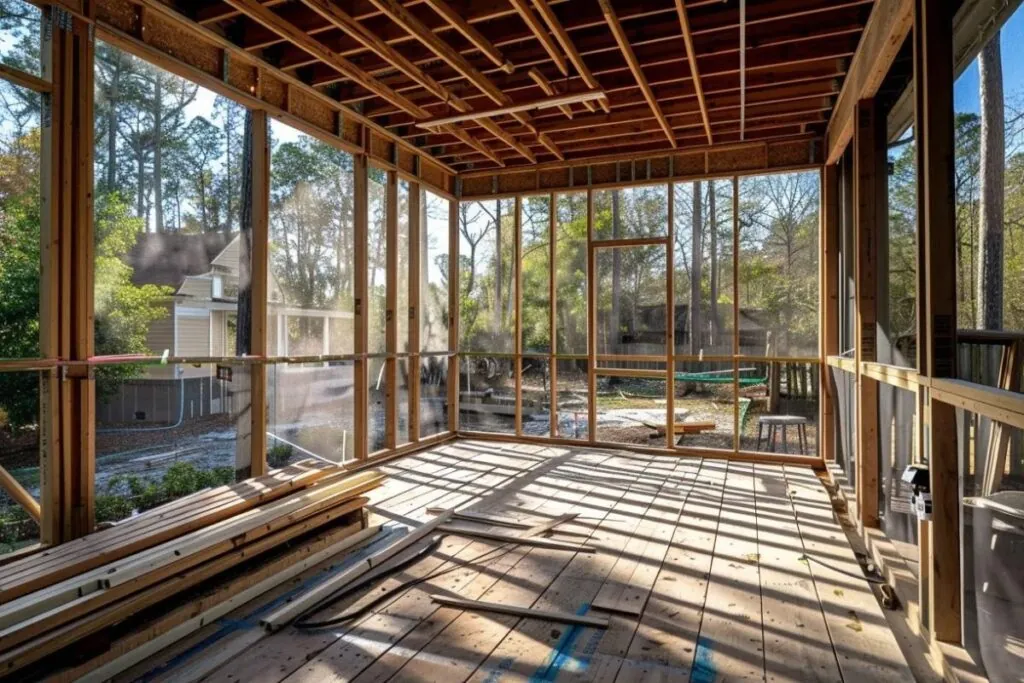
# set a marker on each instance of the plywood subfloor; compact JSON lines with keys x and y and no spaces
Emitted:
{"x":700,"y":562}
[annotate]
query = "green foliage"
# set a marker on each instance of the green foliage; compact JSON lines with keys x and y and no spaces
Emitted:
{"x":279,"y":455}
{"x":127,"y":493}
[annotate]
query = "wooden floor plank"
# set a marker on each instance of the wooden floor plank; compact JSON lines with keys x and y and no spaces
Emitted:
{"x":538,"y":650}
{"x":730,"y":645}
{"x":281,"y":654}
{"x":452,"y":643}
{"x":864,"y":644}
{"x":706,"y":555}
{"x":797,"y":646}
{"x":666,"y":636}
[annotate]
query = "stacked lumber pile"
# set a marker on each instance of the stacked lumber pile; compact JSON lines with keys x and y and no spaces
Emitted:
{"x":149,"y":566}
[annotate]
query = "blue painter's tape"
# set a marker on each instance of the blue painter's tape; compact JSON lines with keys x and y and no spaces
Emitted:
{"x":557,"y":659}
{"x":703,"y":663}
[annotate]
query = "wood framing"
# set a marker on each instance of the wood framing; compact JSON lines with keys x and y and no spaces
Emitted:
{"x":260,"y":293}
{"x":933,"y":75}
{"x":454,"y":286}
{"x":829,"y":306}
{"x":417,"y":224}
{"x":391,"y":341}
{"x":540,"y":34}
{"x":361,"y":302}
{"x":720,"y":161}
{"x":870,"y":215}
{"x":634,"y":66}
{"x":691,"y":57}
{"x":888,"y":26}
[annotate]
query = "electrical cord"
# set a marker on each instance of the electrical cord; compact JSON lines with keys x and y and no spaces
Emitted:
{"x":869,"y":579}
{"x":302,"y":621}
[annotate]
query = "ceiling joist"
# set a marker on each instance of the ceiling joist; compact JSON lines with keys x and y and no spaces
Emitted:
{"x":634,"y":66}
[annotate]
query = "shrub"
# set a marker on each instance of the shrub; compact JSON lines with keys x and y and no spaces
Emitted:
{"x":279,"y":455}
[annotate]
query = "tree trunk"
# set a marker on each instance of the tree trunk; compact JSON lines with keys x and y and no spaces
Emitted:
{"x":158,"y":179}
{"x":615,"y":324}
{"x":140,"y":181}
{"x":696,"y":252}
{"x":716,"y":323}
{"x":990,"y":232}
{"x":112,"y":100}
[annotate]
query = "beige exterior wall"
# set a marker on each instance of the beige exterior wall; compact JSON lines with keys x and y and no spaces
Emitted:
{"x":194,"y":340}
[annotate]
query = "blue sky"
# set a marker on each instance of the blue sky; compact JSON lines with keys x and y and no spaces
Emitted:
{"x":965,"y":91}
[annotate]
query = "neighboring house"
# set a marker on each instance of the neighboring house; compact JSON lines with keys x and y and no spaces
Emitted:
{"x":202,"y":271}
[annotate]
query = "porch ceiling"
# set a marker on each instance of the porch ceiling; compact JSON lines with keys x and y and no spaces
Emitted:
{"x":404,"y":61}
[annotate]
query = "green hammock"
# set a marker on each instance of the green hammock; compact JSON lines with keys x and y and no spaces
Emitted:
{"x":720,"y":377}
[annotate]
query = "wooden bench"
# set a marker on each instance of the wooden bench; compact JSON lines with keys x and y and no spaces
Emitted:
{"x":681,"y":429}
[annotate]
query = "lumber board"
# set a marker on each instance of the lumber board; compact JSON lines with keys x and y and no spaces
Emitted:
{"x":469,"y":516}
{"x":166,"y":562}
{"x":82,"y":554}
{"x":32,"y":614}
{"x":526,"y":612}
{"x":68,"y":633}
{"x":288,"y":613}
{"x":185,"y":620}
{"x":515,"y":539}
{"x":864,"y":645}
{"x":290,"y":652}
{"x":545,"y":527}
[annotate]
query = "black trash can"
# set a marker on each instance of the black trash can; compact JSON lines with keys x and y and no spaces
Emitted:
{"x":998,"y":531}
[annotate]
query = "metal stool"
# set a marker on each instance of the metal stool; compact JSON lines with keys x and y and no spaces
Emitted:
{"x":773,"y":422}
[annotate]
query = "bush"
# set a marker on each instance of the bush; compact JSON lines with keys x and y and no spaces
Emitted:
{"x":279,"y":456}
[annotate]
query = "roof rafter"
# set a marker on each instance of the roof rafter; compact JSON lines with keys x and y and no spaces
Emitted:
{"x":634,"y":66}
{"x":265,"y":16}
{"x":570,"y":48}
{"x":691,"y":57}
{"x":350,"y":26}
{"x":542,"y":36}
{"x":400,"y":15}
{"x":471,"y":34}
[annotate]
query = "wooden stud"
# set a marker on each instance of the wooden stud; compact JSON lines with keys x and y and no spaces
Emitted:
{"x":417,"y":224}
{"x":829,"y":303}
{"x":390,"y":312}
{"x":591,"y":320}
{"x":670,"y":322}
{"x":933,"y":75}
{"x":517,"y":283}
{"x":453,"y":314}
{"x":553,"y":316}
{"x":870,"y":214}
{"x":360,"y":203}
{"x":736,"y":313}
{"x":260,"y":292}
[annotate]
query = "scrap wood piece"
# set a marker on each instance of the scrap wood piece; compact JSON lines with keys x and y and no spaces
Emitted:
{"x":549,"y":525}
{"x":468,"y":516}
{"x":287,"y":613}
{"x":528,"y":612}
{"x":518,"y":540}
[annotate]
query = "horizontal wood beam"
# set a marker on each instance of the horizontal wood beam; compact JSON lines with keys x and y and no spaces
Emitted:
{"x":888,"y":26}
{"x":570,"y":48}
{"x":546,"y":103}
{"x":625,"y":168}
{"x":545,"y":85}
{"x":481,"y":43}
